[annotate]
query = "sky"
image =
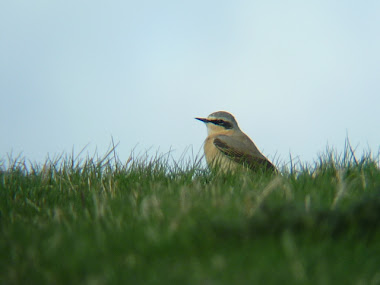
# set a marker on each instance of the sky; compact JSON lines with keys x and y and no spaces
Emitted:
{"x":297,"y":75}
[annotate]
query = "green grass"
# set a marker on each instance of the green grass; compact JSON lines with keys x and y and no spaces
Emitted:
{"x":153,"y":221}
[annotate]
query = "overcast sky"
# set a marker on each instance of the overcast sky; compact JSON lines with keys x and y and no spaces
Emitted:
{"x":297,"y":75}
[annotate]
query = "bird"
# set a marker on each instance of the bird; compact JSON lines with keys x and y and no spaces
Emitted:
{"x":228,"y":148}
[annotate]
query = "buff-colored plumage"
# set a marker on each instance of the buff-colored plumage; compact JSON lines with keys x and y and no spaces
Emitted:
{"x":228,"y":148}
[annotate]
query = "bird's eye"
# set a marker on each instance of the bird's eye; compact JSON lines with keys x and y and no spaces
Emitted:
{"x":222,"y":123}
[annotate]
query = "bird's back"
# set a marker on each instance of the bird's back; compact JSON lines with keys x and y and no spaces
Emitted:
{"x":229,"y":152}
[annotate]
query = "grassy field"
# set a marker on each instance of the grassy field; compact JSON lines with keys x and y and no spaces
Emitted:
{"x":152,"y":221}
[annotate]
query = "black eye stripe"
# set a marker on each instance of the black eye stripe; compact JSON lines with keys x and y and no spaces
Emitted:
{"x":222,"y":123}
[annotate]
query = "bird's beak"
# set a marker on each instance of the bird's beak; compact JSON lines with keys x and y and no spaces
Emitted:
{"x":204,"y":120}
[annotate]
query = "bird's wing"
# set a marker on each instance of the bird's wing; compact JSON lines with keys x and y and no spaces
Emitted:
{"x":237,"y":151}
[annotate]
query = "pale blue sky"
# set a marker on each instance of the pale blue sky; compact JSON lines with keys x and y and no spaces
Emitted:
{"x":297,"y":75}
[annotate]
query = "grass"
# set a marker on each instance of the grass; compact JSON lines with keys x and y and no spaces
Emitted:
{"x":153,"y":221}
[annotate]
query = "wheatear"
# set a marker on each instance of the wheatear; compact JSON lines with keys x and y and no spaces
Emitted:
{"x":228,"y":148}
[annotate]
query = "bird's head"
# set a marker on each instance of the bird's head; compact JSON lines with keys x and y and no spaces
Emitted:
{"x":220,"y":122}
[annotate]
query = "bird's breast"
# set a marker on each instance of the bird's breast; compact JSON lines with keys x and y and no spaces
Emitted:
{"x":215,"y":158}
